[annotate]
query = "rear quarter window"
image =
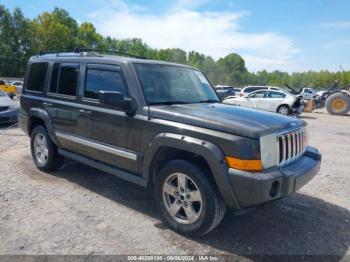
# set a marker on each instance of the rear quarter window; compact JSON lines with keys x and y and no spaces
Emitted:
{"x":276,"y":95}
{"x":64,"y":79}
{"x":37,"y":75}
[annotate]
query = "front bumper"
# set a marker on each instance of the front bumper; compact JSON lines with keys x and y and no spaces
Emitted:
{"x":9,"y":116}
{"x":257,"y":188}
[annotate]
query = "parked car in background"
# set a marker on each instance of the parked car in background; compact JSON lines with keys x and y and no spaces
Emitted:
{"x":249,"y":89}
{"x":270,"y":100}
{"x":9,"y":110}
{"x":309,"y":93}
{"x":226,"y":91}
{"x":10,"y":90}
{"x":18,"y":85}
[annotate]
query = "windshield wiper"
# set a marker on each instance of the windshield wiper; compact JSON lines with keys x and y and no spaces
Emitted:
{"x":209,"y":101}
{"x":169,"y":103}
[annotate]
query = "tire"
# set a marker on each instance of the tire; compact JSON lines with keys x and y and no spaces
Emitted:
{"x":338,"y":104}
{"x":206,"y":213}
{"x":48,"y":159}
{"x":283,"y":110}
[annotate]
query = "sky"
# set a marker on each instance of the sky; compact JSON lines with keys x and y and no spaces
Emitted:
{"x":287,"y":35}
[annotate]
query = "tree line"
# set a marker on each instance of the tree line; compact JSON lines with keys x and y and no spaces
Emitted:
{"x":20,"y":38}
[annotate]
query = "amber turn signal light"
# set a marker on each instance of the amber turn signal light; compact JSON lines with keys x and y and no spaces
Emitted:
{"x":242,"y":164}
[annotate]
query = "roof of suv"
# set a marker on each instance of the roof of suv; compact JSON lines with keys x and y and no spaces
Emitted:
{"x":95,"y":56}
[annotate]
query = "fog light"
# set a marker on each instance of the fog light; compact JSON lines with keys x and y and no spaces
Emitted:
{"x":274,"y":188}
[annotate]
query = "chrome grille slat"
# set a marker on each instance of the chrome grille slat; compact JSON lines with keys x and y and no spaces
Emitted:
{"x":284,"y":149}
{"x":291,"y":146}
{"x":298,"y":142}
{"x":295,"y":145}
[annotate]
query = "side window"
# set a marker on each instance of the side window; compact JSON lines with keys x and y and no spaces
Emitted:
{"x":276,"y":95}
{"x":36,"y":78}
{"x":64,"y":79}
{"x":261,"y":94}
{"x":68,"y":79}
{"x":103,"y":80}
{"x":249,"y":90}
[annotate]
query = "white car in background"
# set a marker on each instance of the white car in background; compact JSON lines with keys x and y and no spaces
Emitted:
{"x":18,"y":85}
{"x":249,"y":89}
{"x":271,"y":100}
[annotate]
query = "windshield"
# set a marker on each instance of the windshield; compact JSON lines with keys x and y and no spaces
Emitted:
{"x":163,"y":84}
{"x":2,"y":93}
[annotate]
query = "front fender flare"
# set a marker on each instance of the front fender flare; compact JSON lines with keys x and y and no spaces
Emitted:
{"x":209,"y":151}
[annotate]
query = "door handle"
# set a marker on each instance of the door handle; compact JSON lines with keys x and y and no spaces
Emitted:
{"x":83,"y":111}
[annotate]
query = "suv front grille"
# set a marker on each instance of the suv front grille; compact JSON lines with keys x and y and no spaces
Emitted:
{"x":291,"y":146}
{"x":3,"y":108}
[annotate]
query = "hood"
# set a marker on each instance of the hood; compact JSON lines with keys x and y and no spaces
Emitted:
{"x":226,"y":118}
{"x":6,"y":101}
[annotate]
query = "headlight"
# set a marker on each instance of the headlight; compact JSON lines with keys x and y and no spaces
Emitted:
{"x":268,"y":150}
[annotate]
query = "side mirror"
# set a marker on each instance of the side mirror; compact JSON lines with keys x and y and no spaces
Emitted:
{"x":118,"y":101}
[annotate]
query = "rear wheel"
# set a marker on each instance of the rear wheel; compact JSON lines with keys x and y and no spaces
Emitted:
{"x":283,"y":110}
{"x":44,"y":151}
{"x":187,"y":199}
{"x":338,"y":104}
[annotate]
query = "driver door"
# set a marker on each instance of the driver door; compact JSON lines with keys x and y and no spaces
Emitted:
{"x":115,"y":136}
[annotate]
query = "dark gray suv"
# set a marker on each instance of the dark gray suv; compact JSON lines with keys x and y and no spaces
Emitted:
{"x":162,"y":124}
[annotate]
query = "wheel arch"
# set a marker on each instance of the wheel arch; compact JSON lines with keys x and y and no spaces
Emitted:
{"x":38,"y":116}
{"x":286,"y":105}
{"x":166,"y":146}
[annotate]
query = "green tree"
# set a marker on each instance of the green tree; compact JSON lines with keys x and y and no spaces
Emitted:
{"x":88,"y":37}
{"x":231,"y":68}
{"x":175,"y":55}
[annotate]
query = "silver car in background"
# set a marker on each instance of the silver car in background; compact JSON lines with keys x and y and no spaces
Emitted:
{"x":271,"y":100}
{"x":9,"y":110}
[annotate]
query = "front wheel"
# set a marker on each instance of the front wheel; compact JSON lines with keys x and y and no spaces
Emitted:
{"x":283,"y":110}
{"x":188,"y":199}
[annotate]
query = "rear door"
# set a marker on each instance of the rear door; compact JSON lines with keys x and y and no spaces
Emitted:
{"x":275,"y":99}
{"x":62,"y":105}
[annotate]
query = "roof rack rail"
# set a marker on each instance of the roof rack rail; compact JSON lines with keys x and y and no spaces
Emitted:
{"x":51,"y":52}
{"x":81,"y":49}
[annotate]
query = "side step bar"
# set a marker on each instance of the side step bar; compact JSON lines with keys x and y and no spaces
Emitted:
{"x":105,"y":168}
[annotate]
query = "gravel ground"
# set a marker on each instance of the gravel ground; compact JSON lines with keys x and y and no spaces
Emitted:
{"x":79,"y":210}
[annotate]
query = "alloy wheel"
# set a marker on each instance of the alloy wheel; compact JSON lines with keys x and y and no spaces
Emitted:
{"x":182,"y":198}
{"x":41,"y":149}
